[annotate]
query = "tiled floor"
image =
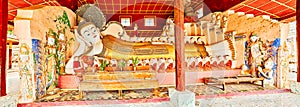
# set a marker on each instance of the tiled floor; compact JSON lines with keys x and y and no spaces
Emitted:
{"x":73,"y":95}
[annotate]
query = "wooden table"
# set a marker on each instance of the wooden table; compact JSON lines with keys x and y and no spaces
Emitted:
{"x":117,"y":81}
{"x":237,"y":79}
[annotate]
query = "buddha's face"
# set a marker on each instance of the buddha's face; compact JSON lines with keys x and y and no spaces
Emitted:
{"x":253,"y":38}
{"x":61,"y":36}
{"x":269,"y":64}
{"x":90,"y":33}
{"x":227,"y":57}
{"x":51,"y":41}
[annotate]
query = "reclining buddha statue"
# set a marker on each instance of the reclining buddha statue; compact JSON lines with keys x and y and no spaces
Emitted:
{"x":110,"y":41}
{"x":93,"y":43}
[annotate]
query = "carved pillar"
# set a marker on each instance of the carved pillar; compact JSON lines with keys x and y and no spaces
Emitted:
{"x":3,"y":36}
{"x":179,"y":44}
{"x":298,"y":37}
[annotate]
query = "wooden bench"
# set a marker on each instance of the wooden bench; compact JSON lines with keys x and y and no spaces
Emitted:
{"x":237,"y":79}
{"x":117,"y":81}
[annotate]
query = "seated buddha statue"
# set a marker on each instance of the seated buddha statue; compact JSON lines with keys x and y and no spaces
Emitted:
{"x":170,"y":64}
{"x":153,"y":64}
{"x":162,"y":65}
{"x":146,"y":62}
{"x":221,"y":64}
{"x":199,"y":63}
{"x":206,"y":64}
{"x":191,"y":63}
{"x":228,"y":62}
{"x":214,"y":63}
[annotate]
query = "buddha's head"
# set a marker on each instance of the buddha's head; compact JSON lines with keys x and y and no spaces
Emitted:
{"x":24,"y":53}
{"x":227,"y":57}
{"x":253,"y":38}
{"x":51,"y":40}
{"x":89,"y":32}
{"x":269,"y":63}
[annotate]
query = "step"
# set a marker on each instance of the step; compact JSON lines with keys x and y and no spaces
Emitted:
{"x":118,"y":85}
{"x":118,"y":75}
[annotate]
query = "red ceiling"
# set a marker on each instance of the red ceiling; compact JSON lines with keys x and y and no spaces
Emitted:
{"x":138,"y":6}
{"x":220,"y":5}
{"x":13,"y":5}
{"x":278,"y":9}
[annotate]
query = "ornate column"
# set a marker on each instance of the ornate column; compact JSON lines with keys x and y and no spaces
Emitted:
{"x":179,"y":44}
{"x":3,"y":36}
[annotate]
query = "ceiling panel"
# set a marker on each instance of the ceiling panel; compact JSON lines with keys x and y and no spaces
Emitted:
{"x":267,"y":6}
{"x":257,"y":3}
{"x":285,"y":12}
{"x":274,"y":8}
{"x":283,"y":1}
{"x":244,"y":9}
{"x":253,"y":12}
{"x":292,"y":3}
{"x":278,"y":9}
{"x":13,"y":5}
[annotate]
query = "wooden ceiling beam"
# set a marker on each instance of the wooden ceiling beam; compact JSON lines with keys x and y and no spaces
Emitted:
{"x":282,"y":4}
{"x":268,"y":13}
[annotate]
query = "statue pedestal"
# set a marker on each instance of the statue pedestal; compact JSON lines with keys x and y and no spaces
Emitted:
{"x":182,"y":99}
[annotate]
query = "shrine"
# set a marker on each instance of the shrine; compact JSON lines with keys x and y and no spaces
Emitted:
{"x":73,"y":52}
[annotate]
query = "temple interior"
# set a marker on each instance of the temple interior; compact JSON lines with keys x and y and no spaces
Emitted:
{"x":86,"y":50}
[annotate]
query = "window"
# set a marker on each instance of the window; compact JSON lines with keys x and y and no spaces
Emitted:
{"x":150,"y":21}
{"x":125,"y":21}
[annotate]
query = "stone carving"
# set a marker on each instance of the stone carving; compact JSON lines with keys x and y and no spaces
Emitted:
{"x":26,"y":75}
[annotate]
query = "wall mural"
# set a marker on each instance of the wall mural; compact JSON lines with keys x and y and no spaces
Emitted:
{"x":104,"y":51}
{"x":261,"y":58}
{"x":100,"y":43}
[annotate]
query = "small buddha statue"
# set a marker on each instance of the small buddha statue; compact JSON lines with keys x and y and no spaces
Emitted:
{"x":221,"y":63}
{"x":146,"y":62}
{"x":170,"y":64}
{"x":199,"y":63}
{"x":214,"y":63}
{"x":154,"y":64}
{"x":206,"y":64}
{"x":191,"y":63}
{"x":162,"y":65}
{"x":228,"y":62}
